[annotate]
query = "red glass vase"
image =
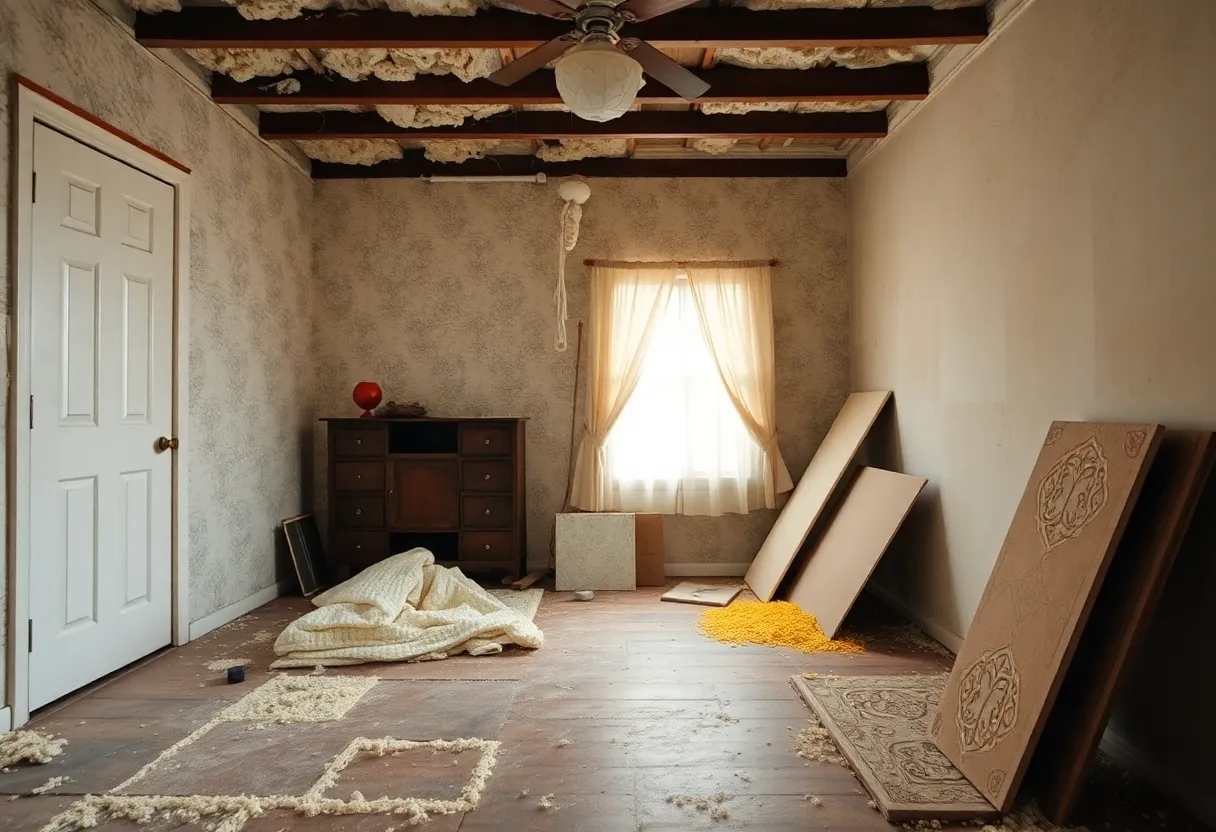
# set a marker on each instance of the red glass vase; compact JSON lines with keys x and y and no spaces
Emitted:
{"x":367,"y":395}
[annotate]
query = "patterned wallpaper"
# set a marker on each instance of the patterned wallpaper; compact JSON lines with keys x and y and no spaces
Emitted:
{"x":250,"y":302}
{"x":443,"y":293}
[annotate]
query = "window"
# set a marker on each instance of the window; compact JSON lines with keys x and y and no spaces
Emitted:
{"x":679,"y":445}
{"x":681,"y":392}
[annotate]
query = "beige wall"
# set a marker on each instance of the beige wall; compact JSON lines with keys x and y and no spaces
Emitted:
{"x":443,"y":293}
{"x":1038,"y":244}
{"x":250,"y":293}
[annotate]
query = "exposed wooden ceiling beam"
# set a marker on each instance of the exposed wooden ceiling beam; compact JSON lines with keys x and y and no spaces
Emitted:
{"x":727,"y":83}
{"x":647,"y":124}
{"x":415,"y":166}
{"x":224,"y":28}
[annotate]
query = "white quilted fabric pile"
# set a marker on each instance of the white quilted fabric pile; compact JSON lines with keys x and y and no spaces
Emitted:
{"x":403,"y":608}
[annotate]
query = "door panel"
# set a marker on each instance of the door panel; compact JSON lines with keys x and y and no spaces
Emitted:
{"x":101,"y":335}
{"x":424,"y":494}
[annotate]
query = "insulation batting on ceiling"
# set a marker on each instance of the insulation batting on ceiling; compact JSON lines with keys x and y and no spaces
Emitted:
{"x":769,"y":5}
{"x":713,"y":146}
{"x":437,"y":115}
{"x":154,"y":6}
{"x":352,"y":151}
{"x":407,"y":64}
{"x":856,"y":57}
{"x":458,"y":150}
{"x":246,"y":64}
{"x":283,"y":9}
{"x":738,"y":108}
{"x":571,"y":150}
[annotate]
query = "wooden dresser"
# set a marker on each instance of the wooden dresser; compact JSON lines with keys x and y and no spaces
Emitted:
{"x":454,"y":486}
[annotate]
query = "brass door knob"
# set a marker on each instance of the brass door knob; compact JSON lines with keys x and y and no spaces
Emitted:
{"x":166,"y":444}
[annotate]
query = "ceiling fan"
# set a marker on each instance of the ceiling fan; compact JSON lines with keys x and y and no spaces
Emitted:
{"x":599,"y":71}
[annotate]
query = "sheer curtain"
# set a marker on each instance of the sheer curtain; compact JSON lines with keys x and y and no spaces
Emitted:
{"x":735,"y":311}
{"x":627,"y":304}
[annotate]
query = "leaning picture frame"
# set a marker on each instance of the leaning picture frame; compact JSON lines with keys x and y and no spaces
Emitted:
{"x":307,"y":553}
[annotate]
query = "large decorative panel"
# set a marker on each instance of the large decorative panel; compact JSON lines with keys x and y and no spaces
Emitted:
{"x":1072,"y":514}
{"x":595,"y":550}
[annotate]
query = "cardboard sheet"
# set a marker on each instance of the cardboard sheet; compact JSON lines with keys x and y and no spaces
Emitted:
{"x":1120,"y":617}
{"x":710,"y":595}
{"x":1055,"y":556}
{"x":829,"y":465}
{"x":595,"y":550}
{"x":836,"y":567}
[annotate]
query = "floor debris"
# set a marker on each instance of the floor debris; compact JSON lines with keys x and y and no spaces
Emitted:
{"x":545,"y":803}
{"x":217,"y":665}
{"x":29,"y":747}
{"x":815,"y":745}
{"x":772,"y":623}
{"x":713,"y":804}
{"x":53,"y":783}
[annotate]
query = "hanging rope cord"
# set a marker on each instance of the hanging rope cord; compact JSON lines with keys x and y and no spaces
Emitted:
{"x":572,"y":213}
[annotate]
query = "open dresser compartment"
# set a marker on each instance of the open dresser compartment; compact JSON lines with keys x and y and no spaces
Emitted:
{"x":453,"y":486}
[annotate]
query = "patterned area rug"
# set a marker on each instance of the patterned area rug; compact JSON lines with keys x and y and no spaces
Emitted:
{"x":881,"y":724}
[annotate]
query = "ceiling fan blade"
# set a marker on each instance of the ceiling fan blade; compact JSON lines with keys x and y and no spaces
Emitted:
{"x":646,"y":9}
{"x":664,"y":70}
{"x":534,"y":60}
{"x":549,"y":8}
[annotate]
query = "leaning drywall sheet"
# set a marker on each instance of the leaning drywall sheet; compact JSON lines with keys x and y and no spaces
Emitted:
{"x":1121,"y":614}
{"x":881,"y":726}
{"x":834,"y":570}
{"x":1046,"y":576}
{"x":829,"y":465}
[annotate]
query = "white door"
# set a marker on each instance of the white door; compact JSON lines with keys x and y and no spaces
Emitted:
{"x":100,"y":490}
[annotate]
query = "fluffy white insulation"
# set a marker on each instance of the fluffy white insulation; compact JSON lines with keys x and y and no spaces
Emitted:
{"x":352,"y":151}
{"x":437,"y":115}
{"x":247,"y":64}
{"x":457,"y":150}
{"x":713,"y":146}
{"x":408,"y":64}
{"x":571,"y":150}
{"x":28,"y":747}
{"x":738,"y":108}
{"x":272,"y":9}
{"x":854,"y":57}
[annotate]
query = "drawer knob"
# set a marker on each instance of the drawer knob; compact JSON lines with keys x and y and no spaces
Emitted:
{"x":358,"y":441}
{"x":487,"y":441}
{"x":358,"y":545}
{"x":487,"y":547}
{"x":359,"y":511}
{"x":487,"y":511}
{"x":358,"y":476}
{"x":487,"y":476}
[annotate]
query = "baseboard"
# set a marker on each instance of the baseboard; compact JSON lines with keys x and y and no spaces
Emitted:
{"x":952,"y":641}
{"x":235,"y":610}
{"x":6,"y":720}
{"x":1190,"y":796}
{"x":705,"y":570}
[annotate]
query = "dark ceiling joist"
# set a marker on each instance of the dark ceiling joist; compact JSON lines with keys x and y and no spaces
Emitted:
{"x":415,"y":166}
{"x":650,"y":124}
{"x":224,"y":28}
{"x":727,"y":83}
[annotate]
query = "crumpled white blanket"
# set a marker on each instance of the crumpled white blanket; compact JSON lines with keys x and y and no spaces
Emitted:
{"x":403,"y":608}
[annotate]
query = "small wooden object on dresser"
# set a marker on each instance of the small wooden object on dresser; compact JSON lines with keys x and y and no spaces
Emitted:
{"x":454,"y":486}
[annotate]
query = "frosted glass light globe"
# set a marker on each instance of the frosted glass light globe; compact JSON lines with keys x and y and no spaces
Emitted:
{"x":597,"y":82}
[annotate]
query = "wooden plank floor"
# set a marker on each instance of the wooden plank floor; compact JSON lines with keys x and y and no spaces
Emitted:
{"x":625,"y":705}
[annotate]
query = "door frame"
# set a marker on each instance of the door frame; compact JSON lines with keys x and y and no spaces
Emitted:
{"x":36,"y":105}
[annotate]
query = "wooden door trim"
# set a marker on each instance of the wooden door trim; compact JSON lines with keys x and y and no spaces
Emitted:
{"x":35,"y":105}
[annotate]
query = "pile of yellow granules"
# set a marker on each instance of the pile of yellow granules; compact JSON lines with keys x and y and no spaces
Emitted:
{"x":773,"y":623}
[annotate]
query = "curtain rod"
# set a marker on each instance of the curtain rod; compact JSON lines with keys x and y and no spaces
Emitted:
{"x":648,"y":264}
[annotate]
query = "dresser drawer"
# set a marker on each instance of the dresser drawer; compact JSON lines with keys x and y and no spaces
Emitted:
{"x":360,"y":549}
{"x":359,"y":512}
{"x":369,"y":441}
{"x":486,"y":475}
{"x":487,"y":545}
{"x":485,"y":440}
{"x":359,"y":476}
{"x":487,"y":512}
